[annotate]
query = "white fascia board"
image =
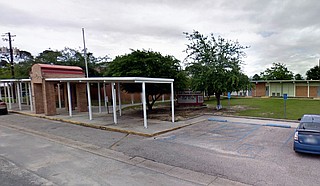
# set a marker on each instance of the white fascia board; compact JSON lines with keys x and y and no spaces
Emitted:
{"x":113,"y":79}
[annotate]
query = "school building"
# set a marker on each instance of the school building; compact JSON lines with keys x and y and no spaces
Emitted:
{"x":293,"y":88}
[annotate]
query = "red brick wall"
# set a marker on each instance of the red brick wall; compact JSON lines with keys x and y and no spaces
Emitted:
{"x":302,"y":91}
{"x":37,"y":98}
{"x":81,"y":91}
{"x":49,"y":98}
{"x":259,"y":90}
{"x":313,"y":91}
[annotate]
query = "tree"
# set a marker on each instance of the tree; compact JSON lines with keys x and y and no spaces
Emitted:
{"x":256,"y":77}
{"x":71,"y":57}
{"x":278,"y":71}
{"x":313,"y":73}
{"x":298,"y":77}
{"x":214,"y":64}
{"x":48,"y":57}
{"x":142,"y":63}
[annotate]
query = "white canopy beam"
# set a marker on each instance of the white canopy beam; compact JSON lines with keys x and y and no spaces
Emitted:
{"x":9,"y":95}
{"x":105,"y":98}
{"x":114,"y":102}
{"x":59,"y":96}
{"x":172,"y":102}
{"x":69,"y":99}
{"x":99,"y":97}
{"x":18,"y":95}
{"x":5,"y":92}
{"x":119,"y":99}
{"x":89,"y":101}
{"x":30,"y":96}
{"x":145,"y":124}
{"x":26,"y":92}
{"x":12,"y":96}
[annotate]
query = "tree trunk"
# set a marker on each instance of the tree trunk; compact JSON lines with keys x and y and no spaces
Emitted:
{"x":148,"y":103}
{"x":218,"y":97}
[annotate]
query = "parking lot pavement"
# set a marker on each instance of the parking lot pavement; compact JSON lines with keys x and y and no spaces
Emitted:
{"x":49,"y":159}
{"x":245,"y":137}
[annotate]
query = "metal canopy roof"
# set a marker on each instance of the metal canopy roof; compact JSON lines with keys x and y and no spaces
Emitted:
{"x":14,"y":80}
{"x":114,"y":79}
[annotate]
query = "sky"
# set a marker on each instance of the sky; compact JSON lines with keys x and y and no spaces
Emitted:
{"x":284,"y":31}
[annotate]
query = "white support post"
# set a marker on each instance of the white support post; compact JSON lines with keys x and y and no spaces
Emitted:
{"x":162,"y":97}
{"x":89,"y":101}
{"x":5,"y":92}
{"x":132,"y":99}
{"x":144,"y":105}
{"x":26,"y":93}
{"x":294,"y":89}
{"x":30,"y":96}
{"x":172,"y":102}
{"x":105,"y":95}
{"x":99,"y":97}
{"x":308,"y":89}
{"x":59,"y":96}
{"x":270,"y":90}
{"x":69,"y":99}
{"x":114,"y":102}
{"x":21,"y":94}
{"x":18,"y":95}
{"x":119,"y":99}
{"x":9,"y":95}
{"x":12,"y":97}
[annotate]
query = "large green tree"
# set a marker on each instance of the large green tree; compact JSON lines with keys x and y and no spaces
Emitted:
{"x":313,"y":73}
{"x":214,"y":64}
{"x":278,"y":71}
{"x":142,"y":63}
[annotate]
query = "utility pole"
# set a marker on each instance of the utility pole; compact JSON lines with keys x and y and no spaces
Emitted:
{"x":11,"y":51}
{"x":85,"y":53}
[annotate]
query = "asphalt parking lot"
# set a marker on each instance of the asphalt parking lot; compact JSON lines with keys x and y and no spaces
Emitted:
{"x":236,"y":138}
{"x":250,"y":151}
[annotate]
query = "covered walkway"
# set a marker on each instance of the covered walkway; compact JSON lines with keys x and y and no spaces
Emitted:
{"x":22,"y":90}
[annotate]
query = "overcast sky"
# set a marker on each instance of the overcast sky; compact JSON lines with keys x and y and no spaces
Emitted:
{"x":286,"y":31}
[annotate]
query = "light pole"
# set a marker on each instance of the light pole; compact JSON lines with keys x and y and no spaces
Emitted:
{"x":85,"y":52}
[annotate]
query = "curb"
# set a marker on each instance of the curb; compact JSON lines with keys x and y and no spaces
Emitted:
{"x":258,"y":118}
{"x":268,"y":125}
{"x":277,"y":125}
{"x":105,"y":127}
{"x":218,"y":120}
{"x":86,"y":124}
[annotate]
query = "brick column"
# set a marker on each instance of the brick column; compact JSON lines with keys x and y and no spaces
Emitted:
{"x":49,"y":98}
{"x":81,"y":97}
{"x":37,"y":98}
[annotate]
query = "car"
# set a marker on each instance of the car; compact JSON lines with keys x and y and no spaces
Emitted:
{"x":307,"y":135}
{"x":3,"y":108}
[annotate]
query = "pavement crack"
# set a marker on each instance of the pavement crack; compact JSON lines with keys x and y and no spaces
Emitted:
{"x":112,"y":147}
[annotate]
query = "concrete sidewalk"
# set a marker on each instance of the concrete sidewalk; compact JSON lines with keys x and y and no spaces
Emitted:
{"x":126,"y":123}
{"x":134,"y":125}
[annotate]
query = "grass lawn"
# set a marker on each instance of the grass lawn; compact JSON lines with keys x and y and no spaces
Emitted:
{"x":271,"y":107}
